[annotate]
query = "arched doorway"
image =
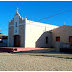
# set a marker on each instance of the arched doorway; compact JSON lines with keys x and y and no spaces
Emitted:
{"x":16,"y":40}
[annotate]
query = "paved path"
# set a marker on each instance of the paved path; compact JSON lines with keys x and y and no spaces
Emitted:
{"x":34,"y":62}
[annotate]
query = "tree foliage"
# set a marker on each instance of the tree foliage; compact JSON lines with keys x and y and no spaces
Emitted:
{"x":0,"y":33}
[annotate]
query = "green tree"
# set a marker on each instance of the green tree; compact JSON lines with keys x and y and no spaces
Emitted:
{"x":0,"y":33}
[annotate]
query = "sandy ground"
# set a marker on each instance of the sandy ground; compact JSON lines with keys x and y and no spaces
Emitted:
{"x":34,"y":62}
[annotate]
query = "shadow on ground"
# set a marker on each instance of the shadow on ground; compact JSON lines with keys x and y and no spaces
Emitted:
{"x":47,"y":53}
{"x":46,"y":50}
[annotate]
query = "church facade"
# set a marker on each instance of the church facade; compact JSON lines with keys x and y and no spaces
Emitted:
{"x":29,"y":34}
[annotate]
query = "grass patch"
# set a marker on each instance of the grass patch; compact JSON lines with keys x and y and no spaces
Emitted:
{"x":60,"y":57}
{"x":65,"y":57}
{"x":68,"y":58}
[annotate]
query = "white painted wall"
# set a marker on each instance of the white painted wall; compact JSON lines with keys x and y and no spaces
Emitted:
{"x":33,"y":32}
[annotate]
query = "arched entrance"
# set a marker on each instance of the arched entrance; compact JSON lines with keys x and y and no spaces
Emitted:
{"x":16,"y":40}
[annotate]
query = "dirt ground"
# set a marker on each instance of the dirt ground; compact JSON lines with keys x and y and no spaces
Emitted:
{"x":35,"y":62}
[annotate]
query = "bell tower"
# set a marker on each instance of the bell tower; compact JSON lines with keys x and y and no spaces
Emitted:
{"x":16,"y":37}
{"x":16,"y":23}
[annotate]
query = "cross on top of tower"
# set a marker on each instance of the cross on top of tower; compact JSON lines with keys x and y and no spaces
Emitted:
{"x":64,"y":23}
{"x":17,"y":10}
{"x":17,"y":13}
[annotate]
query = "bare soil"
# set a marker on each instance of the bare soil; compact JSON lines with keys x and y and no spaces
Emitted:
{"x":35,"y":62}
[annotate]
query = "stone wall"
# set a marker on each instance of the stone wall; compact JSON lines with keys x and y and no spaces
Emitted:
{"x":64,"y":32}
{"x":36,"y":33}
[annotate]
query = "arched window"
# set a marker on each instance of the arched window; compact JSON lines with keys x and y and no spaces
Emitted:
{"x":16,"y":24}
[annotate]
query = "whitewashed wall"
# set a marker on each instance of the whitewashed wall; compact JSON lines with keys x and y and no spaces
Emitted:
{"x":33,"y":32}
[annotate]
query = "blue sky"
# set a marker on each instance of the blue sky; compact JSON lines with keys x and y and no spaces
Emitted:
{"x":35,"y":10}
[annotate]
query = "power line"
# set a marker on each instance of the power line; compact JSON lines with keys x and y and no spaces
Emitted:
{"x":48,"y":17}
{"x":51,"y":16}
{"x":55,"y":15}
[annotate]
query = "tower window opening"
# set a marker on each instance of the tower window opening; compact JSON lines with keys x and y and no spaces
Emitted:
{"x":16,"y":24}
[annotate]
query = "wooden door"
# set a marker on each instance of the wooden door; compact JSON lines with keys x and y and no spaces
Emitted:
{"x":70,"y":39}
{"x":16,"y":41}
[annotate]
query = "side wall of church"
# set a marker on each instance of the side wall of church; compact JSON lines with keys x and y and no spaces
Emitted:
{"x":35,"y":34}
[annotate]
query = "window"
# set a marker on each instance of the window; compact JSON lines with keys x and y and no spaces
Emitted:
{"x":46,"y":40}
{"x":70,"y":39}
{"x":16,"y":24}
{"x":57,"y":38}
